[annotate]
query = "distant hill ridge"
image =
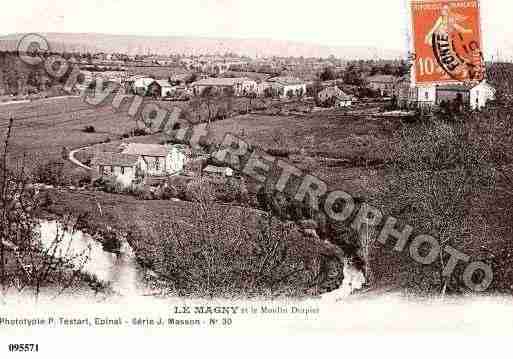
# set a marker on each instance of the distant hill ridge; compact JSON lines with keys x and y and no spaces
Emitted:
{"x":135,"y":44}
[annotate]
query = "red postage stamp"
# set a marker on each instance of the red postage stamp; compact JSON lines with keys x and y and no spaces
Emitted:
{"x":447,"y":41}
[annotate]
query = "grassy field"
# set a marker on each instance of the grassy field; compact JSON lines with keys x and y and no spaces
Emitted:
{"x":344,"y":150}
{"x":350,"y":151}
{"x":42,"y":128}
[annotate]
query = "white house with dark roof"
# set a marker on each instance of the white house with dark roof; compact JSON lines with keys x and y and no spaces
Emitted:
{"x":384,"y":84}
{"x":157,"y":160}
{"x":338,"y":97}
{"x":140,"y":85}
{"x":475,"y":96}
{"x":115,"y":164}
{"x":284,"y":86}
{"x":218,"y":171}
{"x":161,"y":88}
{"x":240,"y":86}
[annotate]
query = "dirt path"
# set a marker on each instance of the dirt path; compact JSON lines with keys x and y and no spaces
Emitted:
{"x":71,"y":157}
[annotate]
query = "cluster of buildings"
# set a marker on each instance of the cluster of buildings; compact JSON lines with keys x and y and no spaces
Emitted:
{"x":236,"y":86}
{"x":213,"y":75}
{"x":214,"y":65}
{"x":472,"y":95}
{"x":138,"y":159}
{"x":141,"y":161}
{"x":243,"y":86}
{"x":335,"y":97}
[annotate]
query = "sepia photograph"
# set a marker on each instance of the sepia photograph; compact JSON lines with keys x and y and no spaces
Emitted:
{"x":232,"y":167}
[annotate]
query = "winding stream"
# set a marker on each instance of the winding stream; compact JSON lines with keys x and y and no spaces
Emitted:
{"x":121,"y":270}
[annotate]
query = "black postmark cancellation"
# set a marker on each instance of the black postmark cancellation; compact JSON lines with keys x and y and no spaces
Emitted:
{"x":460,"y":59}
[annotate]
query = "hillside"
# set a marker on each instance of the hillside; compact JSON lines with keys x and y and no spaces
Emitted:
{"x":132,"y":44}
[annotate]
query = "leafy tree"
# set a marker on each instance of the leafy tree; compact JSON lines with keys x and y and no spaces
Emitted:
{"x":327,"y":74}
{"x":251,"y":96}
{"x":314,"y":90}
{"x":192,"y":78}
{"x":387,"y":69}
{"x":208,"y":95}
{"x":353,"y":76}
{"x":403,"y":69}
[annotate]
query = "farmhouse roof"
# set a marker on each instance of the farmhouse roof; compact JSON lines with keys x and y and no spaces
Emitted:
{"x":337,"y":93}
{"x":382,"y":78}
{"x":215,"y":169}
{"x":144,"y":149}
{"x":143,"y":82}
{"x":331,"y":90}
{"x":345,"y":97}
{"x":456,"y":87}
{"x":180,"y":77}
{"x":464,"y":86}
{"x":221,"y":81}
{"x":114,"y":159}
{"x":164,"y":83}
{"x":287,"y":81}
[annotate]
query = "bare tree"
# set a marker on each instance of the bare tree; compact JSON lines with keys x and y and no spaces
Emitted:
{"x":226,"y":251}
{"x":28,"y":264}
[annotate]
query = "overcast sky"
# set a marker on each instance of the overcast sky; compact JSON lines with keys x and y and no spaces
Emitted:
{"x":373,"y":23}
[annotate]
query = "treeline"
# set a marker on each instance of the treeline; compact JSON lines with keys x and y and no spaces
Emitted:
{"x":19,"y":78}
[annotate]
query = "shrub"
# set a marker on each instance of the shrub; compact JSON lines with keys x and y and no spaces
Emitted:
{"x":46,"y":199}
{"x":166,"y":192}
{"x":135,"y":132}
{"x":134,"y":189}
{"x":200,"y":190}
{"x":278,"y":152}
{"x":51,"y":173}
{"x":223,"y":258}
{"x":139,"y":132}
{"x":80,"y":177}
{"x":145,"y":194}
{"x":110,"y":184}
{"x":89,"y":129}
{"x":227,"y":191}
{"x":179,"y":184}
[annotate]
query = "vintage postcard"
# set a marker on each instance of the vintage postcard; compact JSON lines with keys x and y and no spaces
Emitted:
{"x":216,"y":178}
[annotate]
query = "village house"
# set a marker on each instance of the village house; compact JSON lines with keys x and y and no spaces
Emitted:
{"x":286,"y":86}
{"x":120,"y":165}
{"x":218,"y":68}
{"x":85,"y":78}
{"x":179,"y":79}
{"x":344,"y":100}
{"x":473,"y":96}
{"x":161,"y":88}
{"x":140,"y":85}
{"x":239,"y":86}
{"x":384,"y":84}
{"x":424,"y":96}
{"x":157,"y":160}
{"x":263,"y":87}
{"x":219,"y":172}
{"x":160,"y":60}
{"x":334,"y":96}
